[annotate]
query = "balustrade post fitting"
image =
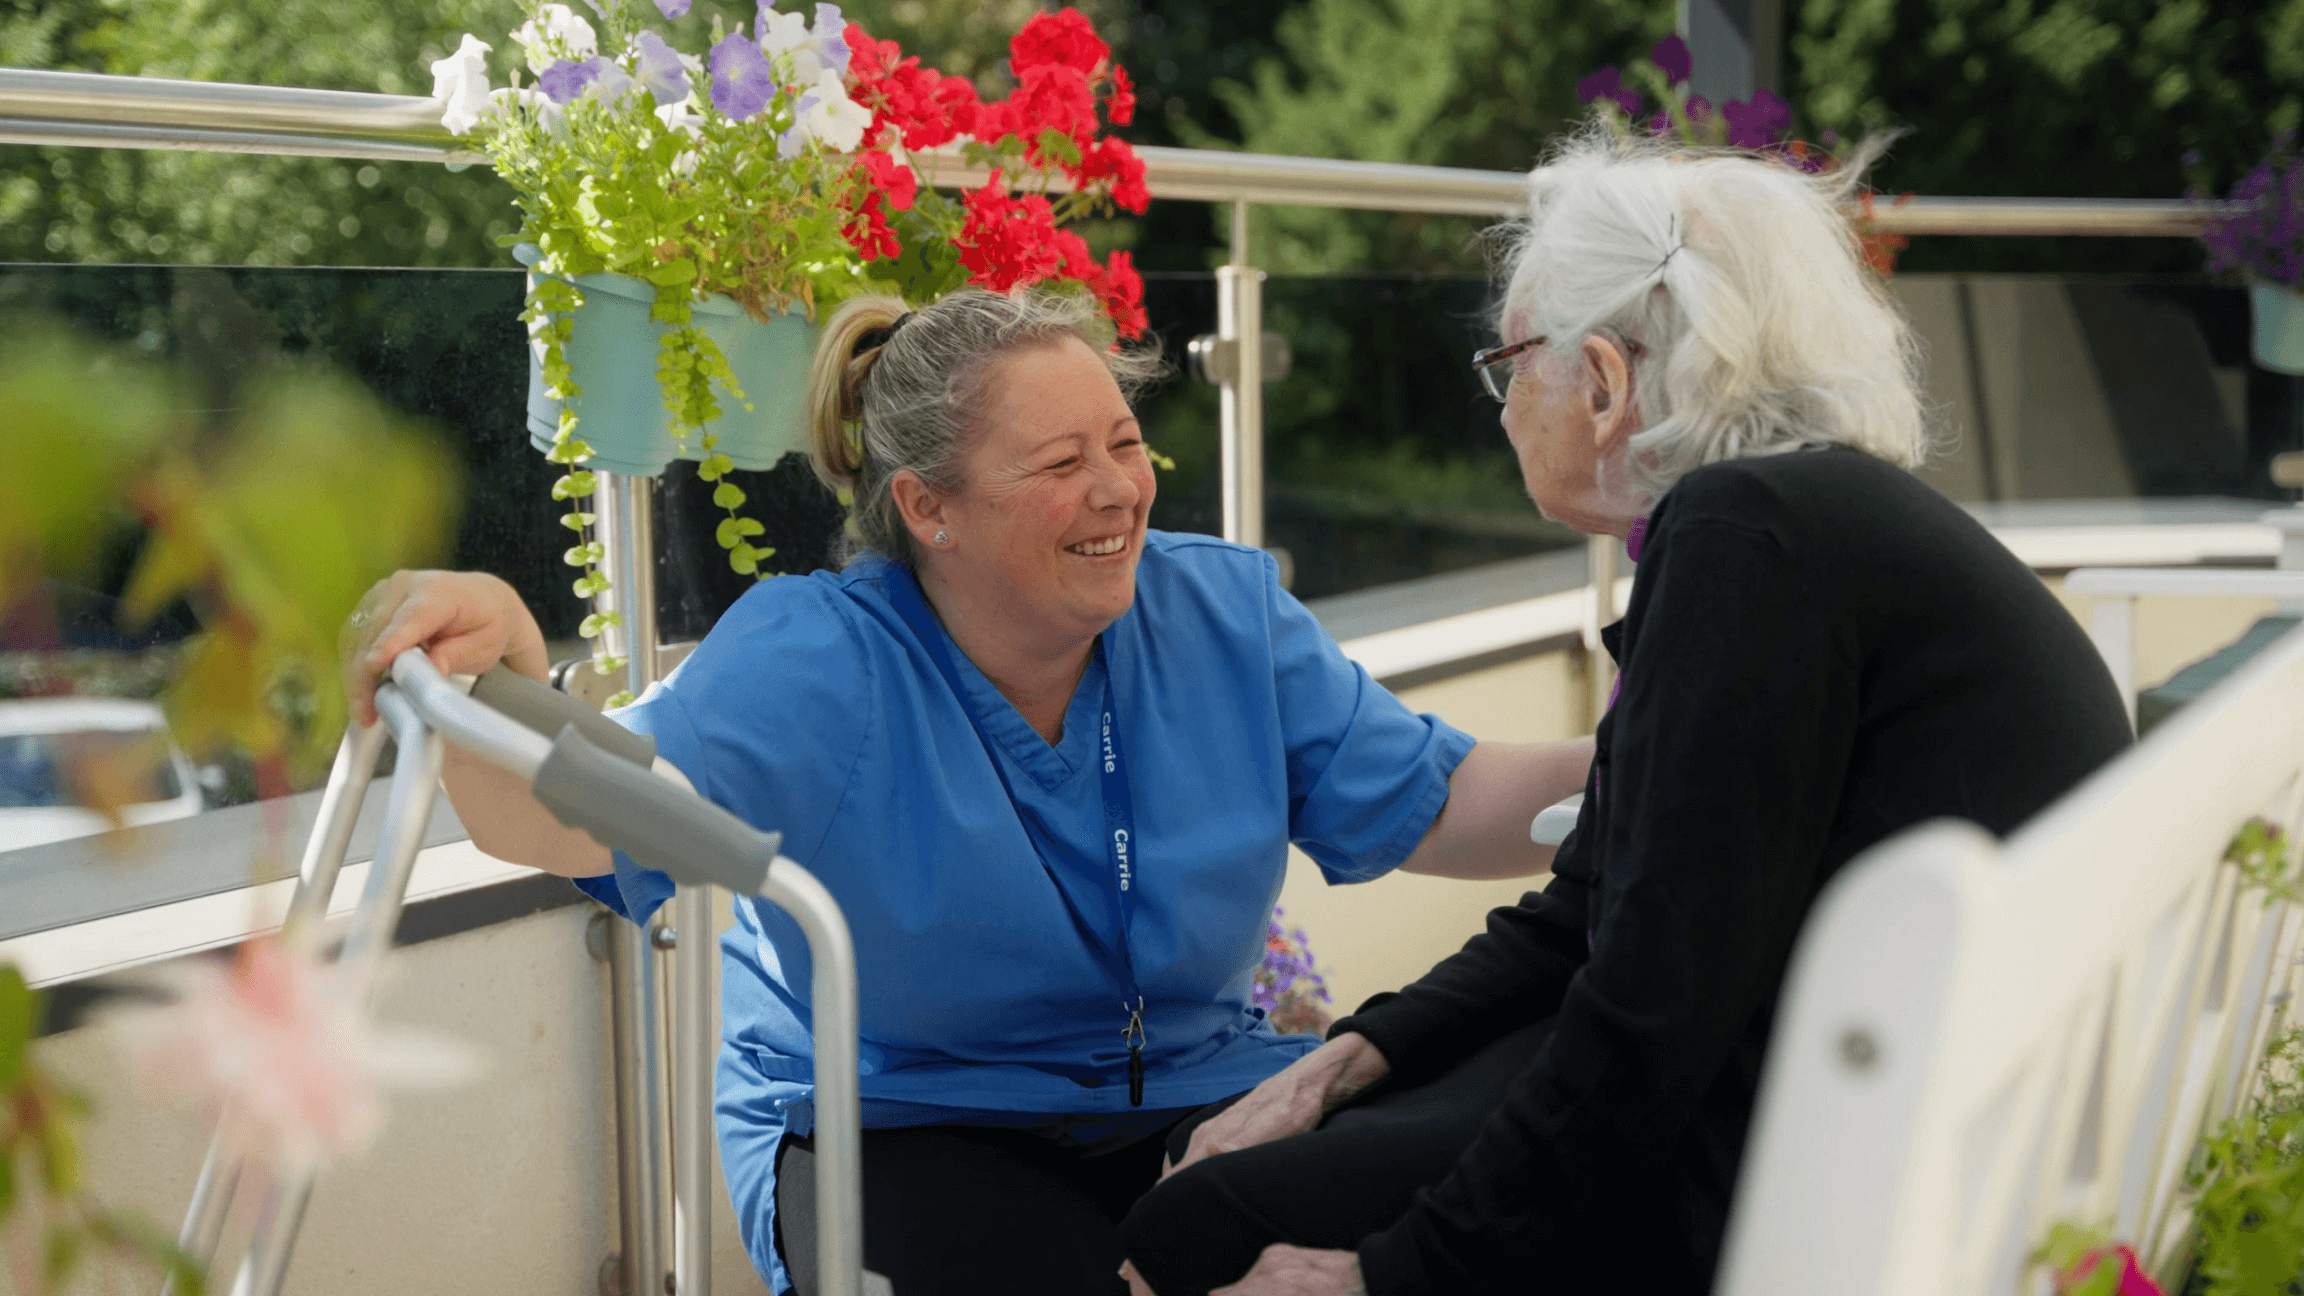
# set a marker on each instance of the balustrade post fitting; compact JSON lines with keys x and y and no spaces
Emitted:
{"x":1240,"y":331}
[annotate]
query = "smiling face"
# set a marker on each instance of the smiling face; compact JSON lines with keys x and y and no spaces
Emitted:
{"x":1047,"y":526}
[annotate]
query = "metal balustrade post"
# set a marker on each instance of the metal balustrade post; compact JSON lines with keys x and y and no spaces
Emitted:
{"x":668,"y":988}
{"x":1599,"y":611}
{"x":1240,"y":322}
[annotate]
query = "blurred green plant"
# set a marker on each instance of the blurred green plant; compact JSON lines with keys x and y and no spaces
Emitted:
{"x":40,"y":1169}
{"x":2248,"y":1177}
{"x":272,"y":527}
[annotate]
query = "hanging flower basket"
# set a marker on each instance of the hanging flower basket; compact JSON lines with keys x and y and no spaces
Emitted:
{"x":612,"y":352}
{"x":2259,"y":231}
{"x":2279,"y":312}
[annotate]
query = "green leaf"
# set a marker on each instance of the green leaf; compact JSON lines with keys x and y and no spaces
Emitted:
{"x":59,"y":1152}
{"x":728,"y":495}
{"x":19,"y":1010}
{"x":577,"y":521}
{"x":62,"y":1253}
{"x":575,"y":485}
{"x":623,"y":699}
{"x":744,"y":559}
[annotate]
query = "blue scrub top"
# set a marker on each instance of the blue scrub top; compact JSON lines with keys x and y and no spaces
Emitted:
{"x":813,"y":709}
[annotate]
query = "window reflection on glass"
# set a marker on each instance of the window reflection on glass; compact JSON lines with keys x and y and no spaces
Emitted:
{"x":70,"y":767}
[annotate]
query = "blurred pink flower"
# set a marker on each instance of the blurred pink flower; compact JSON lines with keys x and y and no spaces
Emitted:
{"x":2133,"y":1280}
{"x":278,"y":1045}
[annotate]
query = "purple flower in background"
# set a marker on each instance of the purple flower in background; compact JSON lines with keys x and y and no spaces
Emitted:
{"x":742,"y":82}
{"x":660,"y":69}
{"x":1756,"y":124}
{"x":1608,"y":83}
{"x":1699,"y":108}
{"x":563,"y":81}
{"x":672,"y":8}
{"x":1672,"y":58}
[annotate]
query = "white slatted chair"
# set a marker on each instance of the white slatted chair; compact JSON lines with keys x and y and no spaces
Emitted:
{"x":1979,"y":1039}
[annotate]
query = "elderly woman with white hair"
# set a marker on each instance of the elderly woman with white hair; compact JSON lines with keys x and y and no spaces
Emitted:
{"x":1819,"y":651}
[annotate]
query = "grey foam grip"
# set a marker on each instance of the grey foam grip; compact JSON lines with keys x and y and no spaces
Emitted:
{"x":627,"y":808}
{"x":547,"y":710}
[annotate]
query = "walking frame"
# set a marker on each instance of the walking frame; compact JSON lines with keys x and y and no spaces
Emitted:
{"x":593,"y":774}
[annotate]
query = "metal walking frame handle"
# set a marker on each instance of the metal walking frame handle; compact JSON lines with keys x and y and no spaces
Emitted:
{"x":618,"y":790}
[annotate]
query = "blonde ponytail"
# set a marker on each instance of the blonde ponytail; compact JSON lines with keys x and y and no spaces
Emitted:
{"x":836,"y":380}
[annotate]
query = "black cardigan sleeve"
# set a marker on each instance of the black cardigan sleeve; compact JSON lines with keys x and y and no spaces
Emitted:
{"x":1730,"y":743}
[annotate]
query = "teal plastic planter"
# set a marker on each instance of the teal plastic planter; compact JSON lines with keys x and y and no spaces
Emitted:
{"x":2279,"y":326}
{"x":612,"y":351}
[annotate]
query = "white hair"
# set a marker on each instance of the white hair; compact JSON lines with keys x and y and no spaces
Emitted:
{"x":1740,"y":280}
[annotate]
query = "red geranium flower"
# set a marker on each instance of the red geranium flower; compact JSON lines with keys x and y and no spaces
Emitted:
{"x":1112,"y":159}
{"x":890,"y":178}
{"x":868,"y":230}
{"x":1007,"y":241}
{"x":1060,"y":39}
{"x":925,"y":108}
{"x":1121,"y":290}
{"x":1121,"y":106}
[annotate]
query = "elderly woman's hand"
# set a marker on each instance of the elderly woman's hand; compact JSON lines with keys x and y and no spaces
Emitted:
{"x":1291,"y":1102}
{"x":1285,"y":1270}
{"x":466,"y":621}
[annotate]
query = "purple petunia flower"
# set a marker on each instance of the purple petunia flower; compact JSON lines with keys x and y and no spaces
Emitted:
{"x":1608,"y":83}
{"x":1672,"y":58}
{"x":563,"y":81}
{"x":1756,"y":124}
{"x":742,"y":82}
{"x":672,"y":8}
{"x":661,"y":70}
{"x":831,"y":42}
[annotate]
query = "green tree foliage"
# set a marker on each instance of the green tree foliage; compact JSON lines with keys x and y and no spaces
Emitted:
{"x":124,"y":205}
{"x":1468,"y":83}
{"x":2052,"y":98}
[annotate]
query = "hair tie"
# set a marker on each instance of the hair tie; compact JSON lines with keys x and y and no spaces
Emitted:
{"x":881,"y":337}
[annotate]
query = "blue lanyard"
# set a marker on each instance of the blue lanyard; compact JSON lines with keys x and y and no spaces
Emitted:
{"x":1119,"y":818}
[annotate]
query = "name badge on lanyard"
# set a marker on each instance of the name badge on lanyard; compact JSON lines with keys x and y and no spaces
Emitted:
{"x":1119,"y":818}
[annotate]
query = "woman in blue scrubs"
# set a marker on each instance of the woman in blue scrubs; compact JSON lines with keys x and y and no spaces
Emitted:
{"x":1048,"y":761}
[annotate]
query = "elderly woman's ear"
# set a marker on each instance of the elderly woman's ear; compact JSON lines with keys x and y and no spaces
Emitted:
{"x":1608,"y":389}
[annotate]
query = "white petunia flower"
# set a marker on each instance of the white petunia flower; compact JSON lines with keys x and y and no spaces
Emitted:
{"x":461,"y":82}
{"x":680,"y":116}
{"x":556,"y":33}
{"x":833,"y":119}
{"x":549,"y":115}
{"x":611,"y":85}
{"x":787,"y":34}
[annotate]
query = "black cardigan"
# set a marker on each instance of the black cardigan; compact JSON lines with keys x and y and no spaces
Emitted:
{"x":1819,"y":651}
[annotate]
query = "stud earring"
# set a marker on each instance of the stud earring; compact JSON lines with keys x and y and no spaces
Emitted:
{"x":942,"y":539}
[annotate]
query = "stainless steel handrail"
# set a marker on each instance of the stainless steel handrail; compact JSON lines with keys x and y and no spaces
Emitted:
{"x":97,"y":110}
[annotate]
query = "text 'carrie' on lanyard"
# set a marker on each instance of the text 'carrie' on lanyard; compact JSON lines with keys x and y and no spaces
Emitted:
{"x":1119,"y":819}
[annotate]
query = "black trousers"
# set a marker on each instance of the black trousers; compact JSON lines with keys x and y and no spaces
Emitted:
{"x":1204,"y":1226}
{"x":958,"y":1210}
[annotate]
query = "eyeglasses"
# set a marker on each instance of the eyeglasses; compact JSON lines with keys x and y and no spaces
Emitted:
{"x":1496,"y":365}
